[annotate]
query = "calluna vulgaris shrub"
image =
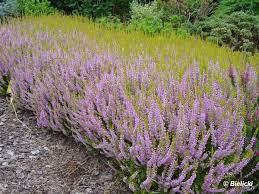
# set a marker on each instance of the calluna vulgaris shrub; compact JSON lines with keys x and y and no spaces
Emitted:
{"x":167,"y":134}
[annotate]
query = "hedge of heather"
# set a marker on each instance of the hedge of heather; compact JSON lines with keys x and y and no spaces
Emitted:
{"x":167,"y":134}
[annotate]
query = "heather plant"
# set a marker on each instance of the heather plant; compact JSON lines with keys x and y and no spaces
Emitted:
{"x":173,"y":122}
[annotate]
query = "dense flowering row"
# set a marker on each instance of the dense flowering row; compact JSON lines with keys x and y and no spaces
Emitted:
{"x":168,"y":134}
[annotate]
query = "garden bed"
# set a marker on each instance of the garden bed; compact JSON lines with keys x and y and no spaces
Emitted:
{"x":174,"y":115}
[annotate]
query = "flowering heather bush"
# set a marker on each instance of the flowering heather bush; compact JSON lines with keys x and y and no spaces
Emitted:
{"x":169,"y":131}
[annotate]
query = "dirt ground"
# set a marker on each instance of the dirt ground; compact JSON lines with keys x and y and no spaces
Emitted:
{"x":36,"y":160}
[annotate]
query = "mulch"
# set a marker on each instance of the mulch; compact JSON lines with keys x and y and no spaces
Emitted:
{"x":34,"y":160}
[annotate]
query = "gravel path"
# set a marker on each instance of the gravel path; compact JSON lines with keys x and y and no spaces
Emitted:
{"x":42,"y":161}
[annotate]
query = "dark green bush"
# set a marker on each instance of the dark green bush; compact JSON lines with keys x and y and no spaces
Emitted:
{"x":85,"y":7}
{"x":94,"y":8}
{"x":239,"y":30}
{"x":230,"y":6}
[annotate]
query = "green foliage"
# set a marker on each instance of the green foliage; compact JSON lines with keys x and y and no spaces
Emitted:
{"x":176,"y":21}
{"x":239,"y":30}
{"x":111,"y":22}
{"x":198,"y":182}
{"x":182,"y":32}
{"x":8,"y":8}
{"x":230,"y":6}
{"x":147,"y":17}
{"x":154,"y":18}
{"x":143,"y":11}
{"x":147,"y":25}
{"x":133,"y":175}
{"x":35,"y":7}
{"x":94,"y":10}
{"x":5,"y":86}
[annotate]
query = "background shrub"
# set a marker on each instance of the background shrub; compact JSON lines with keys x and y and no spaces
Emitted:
{"x":141,"y":11}
{"x":111,"y":22}
{"x":238,"y":30}
{"x":230,"y":6}
{"x":35,"y":7}
{"x":145,"y":17}
{"x":8,"y":8}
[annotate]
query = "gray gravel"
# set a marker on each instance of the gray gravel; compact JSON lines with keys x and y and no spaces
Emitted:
{"x":42,"y":161}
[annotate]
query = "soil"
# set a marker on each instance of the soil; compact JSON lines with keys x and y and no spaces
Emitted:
{"x":34,"y":160}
